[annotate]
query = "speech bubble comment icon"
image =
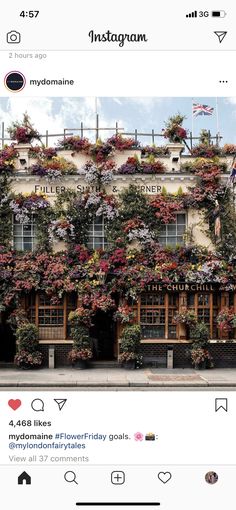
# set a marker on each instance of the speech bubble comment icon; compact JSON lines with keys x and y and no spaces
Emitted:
{"x":37,"y":405}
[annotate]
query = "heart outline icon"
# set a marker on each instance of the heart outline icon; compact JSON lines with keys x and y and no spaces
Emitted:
{"x":14,"y":403}
{"x":164,"y":476}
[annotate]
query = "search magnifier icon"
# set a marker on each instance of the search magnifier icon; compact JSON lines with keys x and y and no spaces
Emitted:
{"x":70,"y":477}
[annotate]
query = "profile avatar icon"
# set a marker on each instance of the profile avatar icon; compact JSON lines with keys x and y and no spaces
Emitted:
{"x":211,"y":477}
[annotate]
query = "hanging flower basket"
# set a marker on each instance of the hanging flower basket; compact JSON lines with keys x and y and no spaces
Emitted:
{"x":226,"y":319}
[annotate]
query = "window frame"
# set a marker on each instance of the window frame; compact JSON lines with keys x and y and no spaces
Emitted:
{"x":168,"y":307}
{"x":92,"y":235}
{"x":20,"y":237}
{"x":65,"y":306}
{"x":167,"y":236}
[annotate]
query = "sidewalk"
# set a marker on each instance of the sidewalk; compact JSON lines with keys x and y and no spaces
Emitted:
{"x":117,"y":377}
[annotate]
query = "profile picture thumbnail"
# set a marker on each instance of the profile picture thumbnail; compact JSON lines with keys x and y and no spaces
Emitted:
{"x":211,"y":477}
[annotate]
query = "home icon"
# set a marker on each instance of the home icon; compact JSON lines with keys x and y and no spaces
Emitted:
{"x":24,"y":479}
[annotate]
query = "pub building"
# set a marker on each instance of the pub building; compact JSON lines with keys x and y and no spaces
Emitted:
{"x":158,"y":303}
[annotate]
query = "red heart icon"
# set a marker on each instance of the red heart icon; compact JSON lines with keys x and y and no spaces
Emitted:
{"x":14,"y":404}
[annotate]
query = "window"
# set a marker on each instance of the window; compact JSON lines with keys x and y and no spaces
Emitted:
{"x":51,"y":319}
{"x":24,"y":234}
{"x":206,"y":307}
{"x":156,"y":315}
{"x":172,"y":233}
{"x":96,"y":238}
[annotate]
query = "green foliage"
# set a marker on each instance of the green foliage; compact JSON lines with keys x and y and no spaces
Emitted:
{"x":130,"y":338}
{"x":80,"y":337}
{"x":179,"y":191}
{"x":200,"y":335}
{"x":5,"y":212}
{"x":134,"y":205}
{"x":42,"y":220}
{"x":204,"y":137}
{"x":27,"y":337}
{"x":175,"y":120}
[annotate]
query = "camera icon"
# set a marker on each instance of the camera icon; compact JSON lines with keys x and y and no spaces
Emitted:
{"x":13,"y":37}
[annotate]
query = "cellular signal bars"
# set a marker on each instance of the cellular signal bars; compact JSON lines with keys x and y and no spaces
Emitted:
{"x":192,"y":14}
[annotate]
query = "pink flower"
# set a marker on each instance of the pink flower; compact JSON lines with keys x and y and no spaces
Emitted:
{"x":138,"y":436}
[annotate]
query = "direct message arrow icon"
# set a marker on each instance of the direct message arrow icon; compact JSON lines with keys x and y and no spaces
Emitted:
{"x":220,"y":35}
{"x":60,"y":402}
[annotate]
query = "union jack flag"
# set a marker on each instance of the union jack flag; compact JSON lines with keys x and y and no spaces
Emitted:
{"x":202,"y":109}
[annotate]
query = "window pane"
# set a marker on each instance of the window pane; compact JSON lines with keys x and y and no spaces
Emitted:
{"x":17,"y":244}
{"x":18,"y":229}
{"x":181,"y":218}
{"x":27,"y":229}
{"x":180,"y":229}
{"x":171,"y":229}
{"x":172,"y":233}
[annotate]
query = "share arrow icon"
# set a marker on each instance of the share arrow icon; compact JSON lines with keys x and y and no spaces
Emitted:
{"x":220,"y":35}
{"x":60,"y":402}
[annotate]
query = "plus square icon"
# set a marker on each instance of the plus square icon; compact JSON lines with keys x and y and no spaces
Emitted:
{"x":117,"y":477}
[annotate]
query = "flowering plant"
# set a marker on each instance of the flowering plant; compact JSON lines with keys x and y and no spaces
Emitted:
{"x":187,"y":317}
{"x":17,"y":318}
{"x":137,"y":230}
{"x":23,"y":131}
{"x":199,"y":356}
{"x":101,"y":204}
{"x":134,"y":166}
{"x":166,"y":206}
{"x":229,"y":149}
{"x":101,"y":151}
{"x":101,"y":173}
{"x":62,"y":229}
{"x":53,"y":167}
{"x":154,"y":150}
{"x":174,"y":130}
{"x":226,"y":319}
{"x":75,"y":143}
{"x":126,"y":356}
{"x":81,"y":317}
{"x":102,"y":302}
{"x":206,"y":151}
{"x":7,"y":158}
{"x":152,"y":167}
{"x":120,"y":143}
{"x":28,"y":359}
{"x":79,"y":354}
{"x":25,"y":204}
{"x":42,"y":152}
{"x":124,"y":314}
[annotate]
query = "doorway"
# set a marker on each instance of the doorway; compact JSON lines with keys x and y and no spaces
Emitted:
{"x":102,"y":334}
{"x":7,"y":340}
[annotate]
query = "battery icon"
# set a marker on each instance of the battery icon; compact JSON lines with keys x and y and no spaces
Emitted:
{"x":218,"y":14}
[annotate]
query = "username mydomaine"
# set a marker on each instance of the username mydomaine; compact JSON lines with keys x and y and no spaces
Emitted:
{"x":45,"y":81}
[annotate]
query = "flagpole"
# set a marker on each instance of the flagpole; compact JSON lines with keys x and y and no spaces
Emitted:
{"x":217,"y":120}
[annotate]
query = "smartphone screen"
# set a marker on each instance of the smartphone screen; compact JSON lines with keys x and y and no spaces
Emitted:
{"x":117,"y":255}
